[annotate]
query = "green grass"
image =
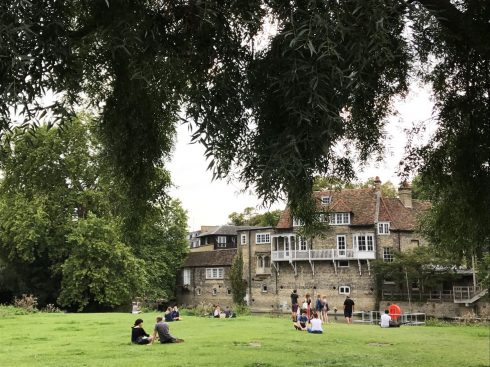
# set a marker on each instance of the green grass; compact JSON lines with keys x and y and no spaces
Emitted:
{"x":252,"y":341}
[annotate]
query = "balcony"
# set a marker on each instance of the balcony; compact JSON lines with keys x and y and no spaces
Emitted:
{"x":322,"y":254}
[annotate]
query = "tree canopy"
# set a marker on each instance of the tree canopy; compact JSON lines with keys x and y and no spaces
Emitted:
{"x":311,"y":100}
{"x":62,"y":232}
{"x":249,"y":217}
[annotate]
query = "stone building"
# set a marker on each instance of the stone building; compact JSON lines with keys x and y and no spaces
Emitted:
{"x":363,"y":226}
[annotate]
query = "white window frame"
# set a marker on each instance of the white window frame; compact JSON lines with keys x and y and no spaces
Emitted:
{"x":303,"y":244}
{"x":342,"y":251}
{"x":243,"y":239}
{"x":326,"y":200}
{"x":198,"y":291}
{"x":215,"y":273}
{"x":338,"y":219}
{"x":368,"y":242}
{"x":215,"y":291}
{"x":264,"y":288}
{"x":262,"y":238}
{"x":344,"y":289}
{"x":384,"y":228}
{"x":297,"y":222}
{"x":388,"y":254}
{"x":220,"y":242}
{"x":186,"y":276}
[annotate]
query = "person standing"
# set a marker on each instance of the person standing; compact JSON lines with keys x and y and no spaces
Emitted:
{"x":294,"y":305}
{"x":163,"y":331}
{"x":308,"y":305}
{"x":325,"y":309}
{"x":348,"y":309}
{"x":319,"y":307}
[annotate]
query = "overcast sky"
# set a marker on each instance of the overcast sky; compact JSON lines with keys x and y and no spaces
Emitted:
{"x":210,"y":202}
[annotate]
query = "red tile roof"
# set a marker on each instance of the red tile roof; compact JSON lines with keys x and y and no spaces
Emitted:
{"x":361,"y":203}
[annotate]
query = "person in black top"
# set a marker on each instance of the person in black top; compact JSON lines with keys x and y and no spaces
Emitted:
{"x":138,"y":334}
{"x":348,"y":309}
{"x":294,"y":305}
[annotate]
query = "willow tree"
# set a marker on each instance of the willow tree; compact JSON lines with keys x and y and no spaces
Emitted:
{"x":274,"y":116}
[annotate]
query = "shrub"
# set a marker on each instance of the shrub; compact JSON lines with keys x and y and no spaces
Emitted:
{"x":26,"y":302}
{"x":241,"y":310}
{"x":50,"y":308}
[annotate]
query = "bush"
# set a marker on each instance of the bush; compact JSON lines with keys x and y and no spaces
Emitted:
{"x":432,"y":321}
{"x":199,"y":310}
{"x":241,"y":310}
{"x":11,"y":311}
{"x":26,"y":302}
{"x":50,"y":308}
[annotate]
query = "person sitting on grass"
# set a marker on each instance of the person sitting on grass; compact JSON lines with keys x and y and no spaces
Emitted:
{"x":169,"y":315}
{"x":163,"y":331}
{"x":300,"y":325}
{"x":176,"y":314}
{"x":139,"y":335}
{"x":217,"y":312}
{"x":316,"y":325}
{"x":386,"y":320}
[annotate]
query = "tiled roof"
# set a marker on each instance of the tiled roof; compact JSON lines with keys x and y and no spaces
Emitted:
{"x":361,"y":203}
{"x":210,"y":258}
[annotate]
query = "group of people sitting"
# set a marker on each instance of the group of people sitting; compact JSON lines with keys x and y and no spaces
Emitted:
{"x":227,"y":313}
{"x":312,"y":325}
{"x":172,"y":314}
{"x":161,"y":332}
{"x":391,"y":316}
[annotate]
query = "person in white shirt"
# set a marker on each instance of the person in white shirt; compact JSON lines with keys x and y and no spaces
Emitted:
{"x":385,"y":319}
{"x":316,"y":325}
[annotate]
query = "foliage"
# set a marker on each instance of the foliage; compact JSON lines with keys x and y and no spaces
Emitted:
{"x":62,"y":217}
{"x":312,"y":99}
{"x":240,"y":342}
{"x":321,"y":183}
{"x":420,"y":265}
{"x":241,"y":309}
{"x":250,"y":218}
{"x":238,"y":284}
{"x":27,"y":302}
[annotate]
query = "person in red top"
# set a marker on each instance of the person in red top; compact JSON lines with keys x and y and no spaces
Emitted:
{"x":395,"y":311}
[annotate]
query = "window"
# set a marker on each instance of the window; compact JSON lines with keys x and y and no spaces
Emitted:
{"x":322,"y":217}
{"x":198,"y":291}
{"x":297,"y":222}
{"x":341,"y":245}
{"x":383,"y":228}
{"x":387,"y":254}
{"x":339,"y":218}
{"x":303,"y":245}
{"x":186,"y":276}
{"x":228,"y":291}
{"x":343,"y":263}
{"x":264,"y":288}
{"x":221,"y":241}
{"x":261,"y":238}
{"x":243,"y":239}
{"x":214,"y":273}
{"x":414,"y":243}
{"x":364,"y":242}
{"x":344,"y":289}
{"x":325,"y":200}
{"x":215,"y":291}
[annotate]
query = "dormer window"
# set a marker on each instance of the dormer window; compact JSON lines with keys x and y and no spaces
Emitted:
{"x":297,"y":222}
{"x":339,"y":218}
{"x":326,"y":200}
{"x":383,"y":228}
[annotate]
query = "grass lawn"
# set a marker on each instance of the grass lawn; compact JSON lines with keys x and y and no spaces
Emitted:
{"x":103,"y":340}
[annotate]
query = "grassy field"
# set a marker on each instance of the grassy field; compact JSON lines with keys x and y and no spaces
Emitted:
{"x":103,"y":340}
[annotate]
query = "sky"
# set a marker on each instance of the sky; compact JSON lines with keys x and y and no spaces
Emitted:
{"x":209,"y":202}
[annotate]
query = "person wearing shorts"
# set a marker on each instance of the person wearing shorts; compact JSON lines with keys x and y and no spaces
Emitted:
{"x":294,"y":305}
{"x":348,"y":309}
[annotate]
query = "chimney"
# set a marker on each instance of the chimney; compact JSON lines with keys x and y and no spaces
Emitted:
{"x":377,"y":184}
{"x":405,"y":194}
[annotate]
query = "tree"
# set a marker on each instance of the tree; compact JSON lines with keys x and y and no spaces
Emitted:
{"x":62,"y":232}
{"x":238,"y":284}
{"x":249,"y":218}
{"x":311,"y":101}
{"x":320,"y":183}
